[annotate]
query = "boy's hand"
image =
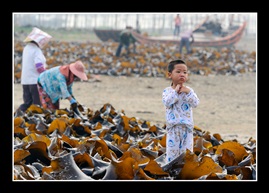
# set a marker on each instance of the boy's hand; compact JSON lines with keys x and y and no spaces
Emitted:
{"x":177,"y":89}
{"x":184,"y":89}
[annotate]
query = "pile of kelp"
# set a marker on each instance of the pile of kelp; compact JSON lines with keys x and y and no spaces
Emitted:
{"x":149,"y":60}
{"x":108,"y":145}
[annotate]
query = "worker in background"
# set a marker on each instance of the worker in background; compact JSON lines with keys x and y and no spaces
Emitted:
{"x":186,"y":39}
{"x":177,"y":25}
{"x":126,"y":39}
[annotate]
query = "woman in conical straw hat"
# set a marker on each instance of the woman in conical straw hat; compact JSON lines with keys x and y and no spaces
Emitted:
{"x":33,"y":63}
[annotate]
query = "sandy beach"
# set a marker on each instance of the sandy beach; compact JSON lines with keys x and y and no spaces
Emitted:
{"x":227,"y":103}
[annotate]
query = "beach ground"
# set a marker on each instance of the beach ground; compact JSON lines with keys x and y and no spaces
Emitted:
{"x":227,"y":103}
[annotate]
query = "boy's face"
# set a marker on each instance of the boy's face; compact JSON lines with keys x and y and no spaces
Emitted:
{"x":179,"y":75}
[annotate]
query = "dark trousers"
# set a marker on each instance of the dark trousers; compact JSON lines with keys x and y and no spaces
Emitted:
{"x":185,"y":42}
{"x":176,"y":30}
{"x":118,"y":51}
{"x":30,"y":96}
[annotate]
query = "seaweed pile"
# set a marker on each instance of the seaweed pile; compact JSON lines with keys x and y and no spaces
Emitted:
{"x":108,"y":145}
{"x":149,"y":60}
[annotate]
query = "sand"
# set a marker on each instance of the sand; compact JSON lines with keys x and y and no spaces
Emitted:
{"x":228,"y":104}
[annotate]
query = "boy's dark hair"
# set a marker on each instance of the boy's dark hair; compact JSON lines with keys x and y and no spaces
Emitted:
{"x":173,"y":63}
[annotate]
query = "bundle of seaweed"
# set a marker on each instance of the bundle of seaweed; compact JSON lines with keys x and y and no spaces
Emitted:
{"x":108,"y":145}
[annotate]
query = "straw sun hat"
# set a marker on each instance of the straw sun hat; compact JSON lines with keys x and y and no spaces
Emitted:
{"x":78,"y":69}
{"x":39,"y":36}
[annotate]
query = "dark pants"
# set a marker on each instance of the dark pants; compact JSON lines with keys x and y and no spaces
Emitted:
{"x":176,"y":30}
{"x":120,"y":48}
{"x":30,"y":96}
{"x":185,"y":42}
